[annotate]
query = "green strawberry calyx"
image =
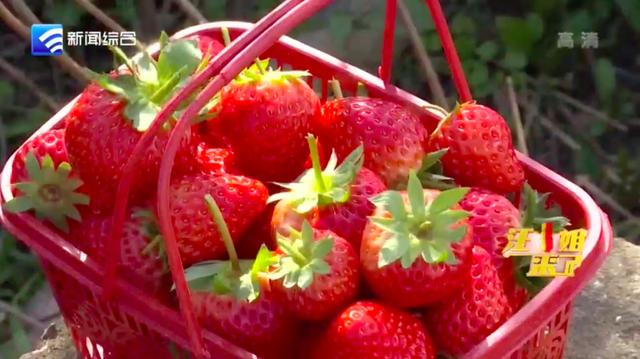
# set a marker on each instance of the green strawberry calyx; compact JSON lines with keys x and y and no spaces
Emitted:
{"x":260,"y":72}
{"x":535,"y":213}
{"x":239,"y":278}
{"x":150,"y":230}
{"x":302,"y":257}
{"x":420,"y":228}
{"x":149,"y":83}
{"x":447,"y":119}
{"x":50,"y":192}
{"x":431,"y":173}
{"x":316,"y":187}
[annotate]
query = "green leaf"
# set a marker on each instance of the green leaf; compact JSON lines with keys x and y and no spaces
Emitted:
{"x":578,"y":21}
{"x":463,"y":25}
{"x":410,"y":255}
{"x":605,"y":79}
{"x":6,"y":91}
{"x":630,"y":9}
{"x":18,"y":204}
{"x":200,"y":276}
{"x":519,"y":34}
{"x":63,"y":12}
{"x":320,"y":266}
{"x":141,"y":113}
{"x":176,"y":55}
{"x":487,"y":51}
{"x":305,"y":278}
{"x":536,"y":25}
{"x":386,"y":224}
{"x":432,"y":158}
{"x":447,"y":199}
{"x":392,"y":202}
{"x":479,"y":74}
{"x":416,"y":196}
{"x":514,"y":60}
{"x":123,"y":85}
{"x":322,"y":248}
{"x":392,"y":250}
{"x":146,"y":68}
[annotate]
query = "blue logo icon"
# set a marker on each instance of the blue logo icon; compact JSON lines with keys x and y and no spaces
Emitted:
{"x":46,"y":40}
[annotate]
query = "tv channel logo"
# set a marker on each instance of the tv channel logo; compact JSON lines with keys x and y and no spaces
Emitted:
{"x":46,"y":39}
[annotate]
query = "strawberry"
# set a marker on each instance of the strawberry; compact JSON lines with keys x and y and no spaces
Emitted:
{"x":416,"y":247}
{"x":142,"y":256}
{"x":393,"y":137}
{"x":242,"y":200}
{"x":470,"y":315}
{"x":266,"y":115}
{"x":111,"y":114}
{"x":480,"y":151}
{"x":49,"y":143}
{"x":207,"y":45}
{"x":45,"y":182}
{"x":335,"y":199}
{"x":492,"y":215}
{"x":371,"y":330}
{"x":316,"y":274}
{"x":229,"y":299}
{"x":213,"y":160}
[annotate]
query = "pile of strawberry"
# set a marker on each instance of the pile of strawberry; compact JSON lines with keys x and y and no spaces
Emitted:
{"x":307,"y":229}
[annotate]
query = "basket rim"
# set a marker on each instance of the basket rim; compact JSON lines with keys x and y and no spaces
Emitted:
{"x":532,"y":313}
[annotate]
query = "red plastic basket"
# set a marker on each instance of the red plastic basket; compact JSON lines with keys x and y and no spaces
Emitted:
{"x":120,"y":322}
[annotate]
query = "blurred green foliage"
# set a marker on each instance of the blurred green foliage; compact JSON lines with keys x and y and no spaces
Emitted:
{"x":495,"y":39}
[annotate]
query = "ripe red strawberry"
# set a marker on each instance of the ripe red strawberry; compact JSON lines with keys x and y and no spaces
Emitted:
{"x":266,"y":115}
{"x":112,"y":113}
{"x":208,"y":45}
{"x":492,"y":215}
{"x":45,"y":183}
{"x":48,"y":143}
{"x":214,"y":160}
{"x":242,"y":200}
{"x":335,"y":199}
{"x":316,"y":274}
{"x":229,"y":299}
{"x":415,"y":249}
{"x":470,"y":315}
{"x":480,"y":150}
{"x":393,"y":137}
{"x":371,"y":330}
{"x":142,"y":256}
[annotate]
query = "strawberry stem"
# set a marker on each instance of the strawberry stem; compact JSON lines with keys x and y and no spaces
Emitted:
{"x":315,"y":161}
{"x":214,"y":210}
{"x":257,"y":62}
{"x":226,"y":38}
{"x":119,"y":54}
{"x":335,"y":87}
{"x":297,"y":256}
{"x":155,"y":242}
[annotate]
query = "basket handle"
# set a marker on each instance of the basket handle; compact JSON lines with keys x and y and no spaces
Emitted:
{"x":448,"y":46}
{"x":124,"y":185}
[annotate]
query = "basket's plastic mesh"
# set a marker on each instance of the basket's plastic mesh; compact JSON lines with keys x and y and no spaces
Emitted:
{"x":102,"y":330}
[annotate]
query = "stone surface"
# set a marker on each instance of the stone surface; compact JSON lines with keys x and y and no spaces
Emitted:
{"x":56,"y":344}
{"x":606,"y":316}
